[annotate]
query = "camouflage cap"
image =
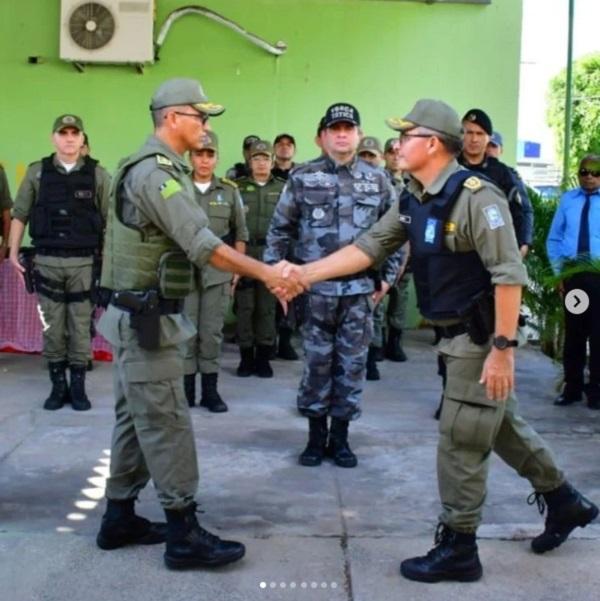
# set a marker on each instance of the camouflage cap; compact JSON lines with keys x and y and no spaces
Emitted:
{"x":496,"y":139}
{"x":432,"y":114}
{"x":209,"y":141}
{"x":389,"y":144}
{"x":68,"y":120}
{"x":261,"y":147}
{"x":182,"y":91}
{"x":370,"y":144}
{"x":480,"y":118}
{"x":249,"y":140}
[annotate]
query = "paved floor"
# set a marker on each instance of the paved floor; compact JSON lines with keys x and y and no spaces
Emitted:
{"x":311,"y":533}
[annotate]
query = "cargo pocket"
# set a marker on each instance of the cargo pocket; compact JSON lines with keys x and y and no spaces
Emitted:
{"x":470,"y":426}
{"x":366,"y":211}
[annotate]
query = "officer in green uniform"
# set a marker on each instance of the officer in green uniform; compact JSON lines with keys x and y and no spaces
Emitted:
{"x":459,"y":226}
{"x":206,"y":307}
{"x":255,"y":307}
{"x":64,"y":198}
{"x":5,"y":207}
{"x":156,"y":233}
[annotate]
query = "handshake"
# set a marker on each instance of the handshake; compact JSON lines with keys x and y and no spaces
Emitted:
{"x":286,"y":280}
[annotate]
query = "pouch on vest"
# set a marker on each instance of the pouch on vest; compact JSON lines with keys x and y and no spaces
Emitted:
{"x":175,"y":275}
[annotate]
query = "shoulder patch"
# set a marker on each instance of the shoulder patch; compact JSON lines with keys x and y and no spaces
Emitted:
{"x":228,"y":181}
{"x":473,"y":183}
{"x":169,"y":188}
{"x":163,"y":160}
{"x":493,"y":216}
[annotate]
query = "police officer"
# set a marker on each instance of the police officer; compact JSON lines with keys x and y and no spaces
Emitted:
{"x":477,"y":127}
{"x":255,"y":307}
{"x":243,"y":169}
{"x":5,"y":207}
{"x":64,"y":198}
{"x":459,"y":224}
{"x":325,"y":205}
{"x":206,"y":307}
{"x":284,"y":149}
{"x":156,"y":233}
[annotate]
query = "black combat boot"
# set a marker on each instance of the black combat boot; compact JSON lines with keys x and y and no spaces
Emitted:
{"x":393,"y":348}
{"x":454,"y":557}
{"x":372,"y":369}
{"x":211,"y":399}
{"x":286,"y":350}
{"x":338,"y":448}
{"x":569,"y":395}
{"x":317,"y":440}
{"x":79,"y":399}
{"x":246,"y":366}
{"x":567,"y":509}
{"x":262,"y":367}
{"x":189,"y":386}
{"x":59,"y":394}
{"x":121,"y":526}
{"x":190,"y":546}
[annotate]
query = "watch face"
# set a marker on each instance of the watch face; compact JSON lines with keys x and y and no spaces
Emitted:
{"x":501,"y":342}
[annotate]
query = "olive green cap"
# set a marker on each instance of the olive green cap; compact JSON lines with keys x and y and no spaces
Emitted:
{"x":261,"y":147}
{"x":370,"y":144}
{"x":182,"y":91}
{"x":432,"y":114}
{"x":389,"y":144}
{"x":67,"y":120}
{"x":208,"y":141}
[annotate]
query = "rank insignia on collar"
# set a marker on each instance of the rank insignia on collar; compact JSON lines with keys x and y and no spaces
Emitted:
{"x":162,"y":160}
{"x":473,"y":183}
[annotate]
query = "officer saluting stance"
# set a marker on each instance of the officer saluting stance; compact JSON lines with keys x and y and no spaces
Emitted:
{"x":464,"y":253}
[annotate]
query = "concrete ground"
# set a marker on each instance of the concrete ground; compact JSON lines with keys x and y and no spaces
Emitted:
{"x":311,"y":533}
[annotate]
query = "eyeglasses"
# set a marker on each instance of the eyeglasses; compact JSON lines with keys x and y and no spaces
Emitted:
{"x":202,"y":117}
{"x":404,"y":137}
{"x":584,"y":172}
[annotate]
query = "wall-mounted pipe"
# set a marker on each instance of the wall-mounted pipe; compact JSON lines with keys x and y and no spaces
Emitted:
{"x":278,"y":49}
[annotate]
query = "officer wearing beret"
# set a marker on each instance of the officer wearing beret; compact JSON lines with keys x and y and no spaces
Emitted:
{"x":156,"y":233}
{"x":207,"y":306}
{"x":477,"y":127}
{"x":255,"y":307}
{"x":5,"y":207}
{"x":64,"y":199}
{"x":463,"y":249}
{"x":326,"y":204}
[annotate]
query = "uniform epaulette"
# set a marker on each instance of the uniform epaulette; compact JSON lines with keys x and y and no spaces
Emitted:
{"x":228,"y":181}
{"x":163,"y":160}
{"x":473,"y":183}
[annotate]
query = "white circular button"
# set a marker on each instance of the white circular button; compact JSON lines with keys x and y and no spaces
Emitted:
{"x":577,"y":301}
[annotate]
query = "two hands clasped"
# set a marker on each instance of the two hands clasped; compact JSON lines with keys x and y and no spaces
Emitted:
{"x":286,"y":281}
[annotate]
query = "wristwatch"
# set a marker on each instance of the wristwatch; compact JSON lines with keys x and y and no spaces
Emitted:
{"x":502,"y":342}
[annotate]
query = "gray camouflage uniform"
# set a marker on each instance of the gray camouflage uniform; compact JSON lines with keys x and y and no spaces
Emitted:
{"x":323,"y":207}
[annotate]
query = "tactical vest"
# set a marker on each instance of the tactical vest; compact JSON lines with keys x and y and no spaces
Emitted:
{"x":446,"y":282}
{"x":65,"y":215}
{"x":141,"y":259}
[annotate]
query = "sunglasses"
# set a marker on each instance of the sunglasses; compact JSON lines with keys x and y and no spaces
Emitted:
{"x":585,"y":172}
{"x":203,"y":117}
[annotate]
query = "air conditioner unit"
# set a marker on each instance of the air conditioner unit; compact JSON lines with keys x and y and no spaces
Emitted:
{"x":107,"y":31}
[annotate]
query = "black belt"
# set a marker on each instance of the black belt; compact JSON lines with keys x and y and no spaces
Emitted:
{"x":66,"y":252}
{"x":166,"y":306}
{"x":451,"y":331}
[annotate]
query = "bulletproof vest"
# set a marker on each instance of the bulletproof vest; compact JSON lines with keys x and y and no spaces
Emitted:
{"x":65,"y":215}
{"x":141,"y":258}
{"x":446,"y":282}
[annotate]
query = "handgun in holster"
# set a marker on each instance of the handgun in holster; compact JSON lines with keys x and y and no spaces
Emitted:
{"x":26,"y":255}
{"x":480,"y":318}
{"x":144,"y":316}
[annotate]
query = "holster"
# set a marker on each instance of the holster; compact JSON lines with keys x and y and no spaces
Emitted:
{"x":26,"y":255}
{"x":480,"y":318}
{"x":96,"y":290}
{"x":144,"y":316}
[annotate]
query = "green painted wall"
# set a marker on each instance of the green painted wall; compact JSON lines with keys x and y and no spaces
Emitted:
{"x":378,"y":54}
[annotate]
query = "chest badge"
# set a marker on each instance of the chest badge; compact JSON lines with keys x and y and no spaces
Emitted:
{"x":318,"y":213}
{"x":430,"y":231}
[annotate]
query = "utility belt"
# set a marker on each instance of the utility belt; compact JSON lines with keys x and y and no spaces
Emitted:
{"x":456,"y":329}
{"x":145,"y":308}
{"x":65,"y":252}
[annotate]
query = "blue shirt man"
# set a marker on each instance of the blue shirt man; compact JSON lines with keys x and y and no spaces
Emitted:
{"x":574,"y":238}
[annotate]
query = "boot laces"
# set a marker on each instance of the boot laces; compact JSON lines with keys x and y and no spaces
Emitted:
{"x":537,"y":498}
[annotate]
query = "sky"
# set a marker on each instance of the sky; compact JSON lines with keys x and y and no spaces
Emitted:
{"x":544,"y":54}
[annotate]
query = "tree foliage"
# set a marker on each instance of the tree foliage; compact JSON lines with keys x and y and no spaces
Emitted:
{"x":585,"y":133}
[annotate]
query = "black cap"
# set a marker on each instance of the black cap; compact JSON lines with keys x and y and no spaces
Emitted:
{"x":341,"y":112}
{"x":249,"y":140}
{"x":321,"y":126}
{"x":480,"y":118}
{"x":282,"y":136}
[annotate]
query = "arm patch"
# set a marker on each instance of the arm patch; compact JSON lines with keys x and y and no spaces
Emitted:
{"x":169,"y":188}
